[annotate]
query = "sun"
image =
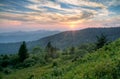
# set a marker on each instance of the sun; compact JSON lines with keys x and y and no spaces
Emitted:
{"x":72,"y":25}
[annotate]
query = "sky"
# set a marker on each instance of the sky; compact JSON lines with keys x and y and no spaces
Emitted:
{"x":29,"y":15}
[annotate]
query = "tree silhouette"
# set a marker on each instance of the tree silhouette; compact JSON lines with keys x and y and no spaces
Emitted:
{"x":101,"y":41}
{"x":23,"y":52}
{"x":72,"y":50}
{"x":51,"y":51}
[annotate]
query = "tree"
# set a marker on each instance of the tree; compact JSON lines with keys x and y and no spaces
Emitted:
{"x":49,"y":48}
{"x":101,"y":41}
{"x":23,"y":52}
{"x":51,"y":51}
{"x":5,"y":57}
{"x":37,"y":49}
{"x":72,"y":50}
{"x":5,"y":61}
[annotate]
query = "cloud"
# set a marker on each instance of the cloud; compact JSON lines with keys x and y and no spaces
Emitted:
{"x":113,"y":3}
{"x":57,"y":11}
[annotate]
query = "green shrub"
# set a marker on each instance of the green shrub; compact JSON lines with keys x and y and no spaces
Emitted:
{"x":14,"y":60}
{"x":55,"y":64}
{"x":5,"y":63}
{"x":31,"y":77}
{"x":1,"y":68}
{"x":29,"y":62}
{"x":7,"y":70}
{"x":57,"y":72}
{"x":1,"y":76}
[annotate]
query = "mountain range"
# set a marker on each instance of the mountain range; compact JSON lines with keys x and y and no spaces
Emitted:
{"x":18,"y":36}
{"x":66,"y":39}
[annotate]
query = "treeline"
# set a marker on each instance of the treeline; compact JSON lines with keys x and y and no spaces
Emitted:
{"x":41,"y":57}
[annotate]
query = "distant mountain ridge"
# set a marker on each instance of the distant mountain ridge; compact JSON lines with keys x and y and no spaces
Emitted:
{"x":66,"y":39}
{"x":73,"y":38}
{"x":19,"y":36}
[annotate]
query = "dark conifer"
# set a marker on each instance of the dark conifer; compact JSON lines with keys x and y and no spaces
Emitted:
{"x":23,"y":52}
{"x":101,"y":41}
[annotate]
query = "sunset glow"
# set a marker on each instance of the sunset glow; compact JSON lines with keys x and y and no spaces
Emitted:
{"x":72,"y":25}
{"x":58,"y":14}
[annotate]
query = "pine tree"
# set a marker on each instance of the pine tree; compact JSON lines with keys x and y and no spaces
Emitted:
{"x":101,"y":41}
{"x":49,"y":48}
{"x":23,"y":52}
{"x":51,"y":51}
{"x":72,"y":50}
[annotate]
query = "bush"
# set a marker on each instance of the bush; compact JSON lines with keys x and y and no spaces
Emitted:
{"x":14,"y":60}
{"x":57,"y":72}
{"x":7,"y":71}
{"x":4,"y":63}
{"x":1,"y":69}
{"x":39,"y":58}
{"x":31,"y":77}
{"x":55,"y":64}
{"x":29,"y":62}
{"x":1,"y":76}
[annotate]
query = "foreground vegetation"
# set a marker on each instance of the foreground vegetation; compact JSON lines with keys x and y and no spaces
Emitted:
{"x":82,"y":62}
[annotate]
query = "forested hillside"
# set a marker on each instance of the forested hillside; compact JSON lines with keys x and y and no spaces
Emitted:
{"x":66,"y":39}
{"x":82,"y":62}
